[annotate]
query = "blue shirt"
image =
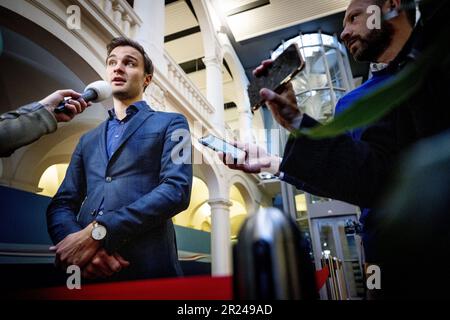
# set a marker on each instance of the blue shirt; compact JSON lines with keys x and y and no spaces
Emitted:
{"x":115,"y":129}
{"x":367,"y":87}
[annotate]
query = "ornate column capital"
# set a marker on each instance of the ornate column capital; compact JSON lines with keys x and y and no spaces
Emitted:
{"x":212,"y":61}
{"x":220,"y":203}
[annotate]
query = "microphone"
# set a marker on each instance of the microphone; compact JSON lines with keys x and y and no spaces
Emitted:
{"x":95,"y":92}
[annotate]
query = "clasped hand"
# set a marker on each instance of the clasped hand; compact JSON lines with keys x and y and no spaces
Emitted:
{"x":81,"y":249}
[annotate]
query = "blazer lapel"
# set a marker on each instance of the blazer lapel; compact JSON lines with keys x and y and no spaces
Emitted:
{"x":102,"y":142}
{"x":135,"y":123}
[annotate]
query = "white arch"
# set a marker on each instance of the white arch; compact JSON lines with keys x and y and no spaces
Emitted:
{"x":240,"y":84}
{"x":211,"y":175}
{"x":82,"y":43}
{"x":239,"y":77}
{"x":49,"y":150}
{"x":252,"y":197}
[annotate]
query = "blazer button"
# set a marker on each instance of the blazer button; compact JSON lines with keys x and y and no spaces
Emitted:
{"x":108,"y":179}
{"x":100,"y":213}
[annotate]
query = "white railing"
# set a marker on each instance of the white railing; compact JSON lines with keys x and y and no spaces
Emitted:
{"x":184,"y":85}
{"x":122,"y":14}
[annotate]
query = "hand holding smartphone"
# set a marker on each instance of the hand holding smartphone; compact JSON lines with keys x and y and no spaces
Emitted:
{"x":283,"y":69}
{"x":217,"y":144}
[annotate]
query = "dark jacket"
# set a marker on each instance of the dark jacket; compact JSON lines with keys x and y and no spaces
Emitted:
{"x":359,"y":172}
{"x":24,"y":126}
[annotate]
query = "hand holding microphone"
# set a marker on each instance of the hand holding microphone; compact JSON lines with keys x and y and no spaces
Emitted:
{"x":65,"y":109}
{"x":72,"y":105}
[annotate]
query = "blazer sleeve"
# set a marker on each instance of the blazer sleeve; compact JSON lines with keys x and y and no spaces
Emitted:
{"x":170,"y":197}
{"x":343,"y":168}
{"x":300,"y":185}
{"x":63,"y":209}
{"x":24,"y":126}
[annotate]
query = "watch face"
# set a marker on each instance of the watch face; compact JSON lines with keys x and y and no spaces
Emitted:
{"x":99,"y":232}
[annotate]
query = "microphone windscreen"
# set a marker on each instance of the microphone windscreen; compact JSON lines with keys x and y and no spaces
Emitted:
{"x":102,"y":88}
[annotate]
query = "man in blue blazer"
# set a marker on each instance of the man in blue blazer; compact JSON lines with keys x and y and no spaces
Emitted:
{"x":126,"y":180}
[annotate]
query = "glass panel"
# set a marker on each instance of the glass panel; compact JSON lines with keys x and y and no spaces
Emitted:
{"x":319,"y":52}
{"x":310,"y":39}
{"x":339,"y":94}
{"x":327,"y":242}
{"x":355,"y":279}
{"x":302,"y":220}
{"x":336,"y":73}
{"x":304,"y":228}
{"x":345,"y":247}
{"x":315,"y":199}
{"x":350,"y":251}
{"x":328,"y":40}
{"x":316,"y":63}
{"x":324,"y":79}
{"x":300,"y":82}
{"x":317,"y":104}
{"x":284,"y":45}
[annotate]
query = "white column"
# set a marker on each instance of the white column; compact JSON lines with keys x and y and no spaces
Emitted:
{"x":221,"y":263}
{"x":245,"y":114}
{"x":151,"y":32}
{"x":214,"y":89}
{"x":245,"y":126}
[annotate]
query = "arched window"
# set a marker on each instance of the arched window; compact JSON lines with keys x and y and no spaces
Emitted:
{"x":52,"y":178}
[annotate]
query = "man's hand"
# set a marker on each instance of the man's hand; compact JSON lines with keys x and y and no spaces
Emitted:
{"x":76,"y":249}
{"x":74,"y":106}
{"x":284,"y":105}
{"x":104,"y":265}
{"x":256,"y":159}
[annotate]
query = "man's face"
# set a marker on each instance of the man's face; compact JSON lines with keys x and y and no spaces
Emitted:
{"x":365,"y":44}
{"x":125,"y":72}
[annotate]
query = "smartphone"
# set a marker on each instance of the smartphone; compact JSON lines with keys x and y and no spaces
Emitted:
{"x":218,"y":144}
{"x":284,"y":68}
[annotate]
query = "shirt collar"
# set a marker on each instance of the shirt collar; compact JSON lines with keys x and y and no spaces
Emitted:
{"x":376,"y":67}
{"x":131,"y":110}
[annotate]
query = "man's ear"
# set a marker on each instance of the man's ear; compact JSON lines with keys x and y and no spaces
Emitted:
{"x":395,"y":4}
{"x":147,"y":80}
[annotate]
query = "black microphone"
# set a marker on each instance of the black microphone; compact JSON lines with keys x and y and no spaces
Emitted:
{"x":96,"y":91}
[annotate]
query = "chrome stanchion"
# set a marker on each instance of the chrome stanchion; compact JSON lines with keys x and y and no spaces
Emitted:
{"x":270,"y":259}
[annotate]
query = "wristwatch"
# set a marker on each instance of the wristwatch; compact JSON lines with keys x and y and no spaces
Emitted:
{"x":98,"y":232}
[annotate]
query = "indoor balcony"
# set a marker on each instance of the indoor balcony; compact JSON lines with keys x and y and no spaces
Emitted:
{"x":100,"y":21}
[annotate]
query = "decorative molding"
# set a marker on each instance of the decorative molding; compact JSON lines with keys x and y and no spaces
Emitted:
{"x":156,"y":97}
{"x":220,"y":203}
{"x":213,"y":61}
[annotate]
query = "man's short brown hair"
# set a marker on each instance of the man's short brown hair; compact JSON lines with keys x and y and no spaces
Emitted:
{"x":127,"y":42}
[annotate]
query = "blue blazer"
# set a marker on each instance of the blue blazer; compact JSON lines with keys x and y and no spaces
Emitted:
{"x":142,"y":187}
